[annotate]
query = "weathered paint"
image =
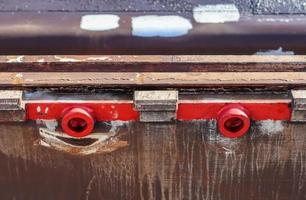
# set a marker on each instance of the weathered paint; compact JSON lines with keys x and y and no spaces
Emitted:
{"x":279,"y":52}
{"x":185,"y":160}
{"x":244,"y":37}
{"x":105,"y":111}
{"x":51,"y":124}
{"x":258,"y":111}
{"x":160,"y":26}
{"x":219,"y":13}
{"x":153,"y":79}
{"x":270,"y":126}
{"x":192,"y":110}
{"x":100,"y":22}
{"x":155,"y":63}
{"x":104,"y":139}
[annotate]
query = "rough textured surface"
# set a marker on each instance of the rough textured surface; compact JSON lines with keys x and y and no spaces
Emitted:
{"x":152,"y":79}
{"x":165,"y":161}
{"x":258,"y":6}
{"x":113,"y":5}
{"x":280,"y":6}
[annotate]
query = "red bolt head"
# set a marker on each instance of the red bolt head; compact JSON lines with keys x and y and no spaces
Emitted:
{"x":77,"y":122}
{"x":233,"y":121}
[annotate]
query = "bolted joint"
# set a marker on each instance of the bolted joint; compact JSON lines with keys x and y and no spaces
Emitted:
{"x":78,"y":122}
{"x":233,"y":121}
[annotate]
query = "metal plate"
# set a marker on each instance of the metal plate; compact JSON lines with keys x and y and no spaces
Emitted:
{"x":169,"y":161}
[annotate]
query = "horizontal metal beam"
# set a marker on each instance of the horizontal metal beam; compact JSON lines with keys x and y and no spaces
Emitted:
{"x":152,"y":63}
{"x":174,"y":79}
{"x":61,"y":33}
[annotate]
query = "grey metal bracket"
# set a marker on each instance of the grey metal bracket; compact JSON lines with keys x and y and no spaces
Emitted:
{"x":298,"y":105}
{"x":156,"y":105}
{"x":11,"y":108}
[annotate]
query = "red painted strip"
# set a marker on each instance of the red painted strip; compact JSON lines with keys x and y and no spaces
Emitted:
{"x":102,"y":111}
{"x":258,"y":111}
{"x":186,"y":111}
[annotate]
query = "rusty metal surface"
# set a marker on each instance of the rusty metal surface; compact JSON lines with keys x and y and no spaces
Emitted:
{"x":52,"y":33}
{"x":280,"y":7}
{"x":152,"y":63}
{"x":134,"y":80}
{"x":114,"y":5}
{"x":165,"y":161}
{"x":246,"y":6}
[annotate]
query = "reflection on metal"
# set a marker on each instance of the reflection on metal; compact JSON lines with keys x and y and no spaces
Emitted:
{"x":156,"y":105}
{"x":97,"y":142}
{"x":58,"y":33}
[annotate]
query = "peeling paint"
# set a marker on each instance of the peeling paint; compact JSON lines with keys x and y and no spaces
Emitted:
{"x":162,"y":161}
{"x":219,"y":13}
{"x":102,"y":142}
{"x":160,"y":26}
{"x":38,"y":109}
{"x":51,"y":124}
{"x":99,"y":22}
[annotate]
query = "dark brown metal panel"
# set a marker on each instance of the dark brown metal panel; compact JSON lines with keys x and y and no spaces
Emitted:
{"x":113,"y":5}
{"x":168,"y":161}
{"x":51,"y":33}
{"x":153,"y":63}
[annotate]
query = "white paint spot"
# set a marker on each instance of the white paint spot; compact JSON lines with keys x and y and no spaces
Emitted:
{"x":219,"y":13}
{"x":17,"y":59}
{"x":51,"y":124}
{"x":98,"y":58}
{"x":115,"y":125}
{"x":99,"y":22}
{"x":160,"y":26}
{"x":66,"y":59}
{"x":38,"y":109}
{"x":270,"y":127}
{"x":276,"y":52}
{"x":19,"y":75}
{"x":46,"y":110}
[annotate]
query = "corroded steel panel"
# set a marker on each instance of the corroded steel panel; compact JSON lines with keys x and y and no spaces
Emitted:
{"x":169,"y":161}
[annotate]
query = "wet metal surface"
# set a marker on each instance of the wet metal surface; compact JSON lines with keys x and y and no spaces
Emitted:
{"x":161,"y":161}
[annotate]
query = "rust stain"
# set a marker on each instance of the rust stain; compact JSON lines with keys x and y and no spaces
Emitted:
{"x":186,"y":160}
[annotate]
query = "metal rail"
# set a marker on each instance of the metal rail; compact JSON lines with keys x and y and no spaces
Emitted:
{"x":61,"y":33}
{"x":152,"y":63}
